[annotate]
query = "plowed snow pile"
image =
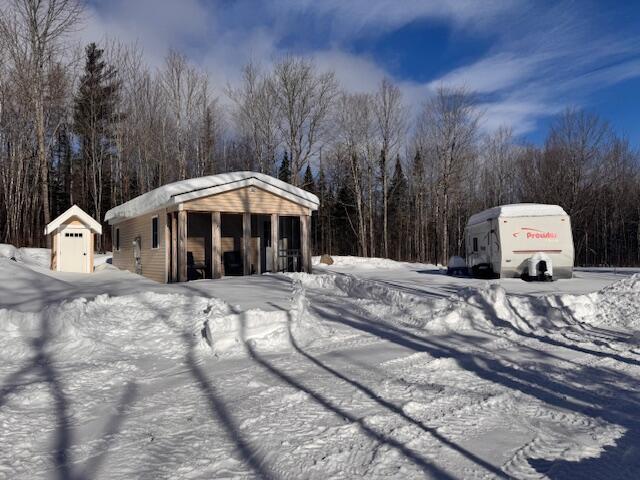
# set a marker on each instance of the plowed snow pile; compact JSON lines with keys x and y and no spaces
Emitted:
{"x":262,"y":330}
{"x":40,"y":257}
{"x":488,"y":308}
{"x":371,"y":263}
{"x":130,"y":327}
{"x":146,"y":324}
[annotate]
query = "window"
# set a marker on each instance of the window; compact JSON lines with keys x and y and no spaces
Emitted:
{"x":154,"y":232}
{"x":117,"y":239}
{"x":475,"y":244}
{"x":74,"y":235}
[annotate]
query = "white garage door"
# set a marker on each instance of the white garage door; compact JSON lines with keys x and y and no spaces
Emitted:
{"x":73,"y":250}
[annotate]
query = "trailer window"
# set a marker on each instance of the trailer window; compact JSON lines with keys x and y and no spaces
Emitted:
{"x":117,"y":239}
{"x":475,"y":244}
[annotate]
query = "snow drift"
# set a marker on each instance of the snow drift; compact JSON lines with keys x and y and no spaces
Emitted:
{"x":265,"y":330}
{"x":487,"y":308}
{"x":147,"y":324}
{"x":40,"y":257}
{"x":370,"y":263}
{"x":131,"y":326}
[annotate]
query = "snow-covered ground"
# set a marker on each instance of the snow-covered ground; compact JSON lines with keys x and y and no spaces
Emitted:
{"x":367,"y":368}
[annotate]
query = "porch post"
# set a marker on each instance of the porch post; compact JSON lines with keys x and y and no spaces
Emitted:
{"x":174,"y":247}
{"x":305,"y":242}
{"x":216,"y":242}
{"x":246,"y":238}
{"x":182,"y":245}
{"x":166,"y":243}
{"x":275,"y":224}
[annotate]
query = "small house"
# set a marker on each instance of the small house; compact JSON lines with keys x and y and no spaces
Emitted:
{"x":72,"y":242}
{"x":238,"y":223}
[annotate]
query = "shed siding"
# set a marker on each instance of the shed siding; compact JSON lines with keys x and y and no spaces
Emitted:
{"x":247,"y":199}
{"x":91,"y":250}
{"x":154,"y":265}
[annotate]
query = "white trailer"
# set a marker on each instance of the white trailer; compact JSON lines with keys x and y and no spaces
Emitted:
{"x":525,"y":240}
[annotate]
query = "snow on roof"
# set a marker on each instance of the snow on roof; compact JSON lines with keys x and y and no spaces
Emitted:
{"x":184,"y":190}
{"x":74,"y":211}
{"x":517,"y":210}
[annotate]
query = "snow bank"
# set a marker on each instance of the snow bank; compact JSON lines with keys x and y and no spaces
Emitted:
{"x":487,"y":308}
{"x":9,"y":251}
{"x":102,"y":261}
{"x":377,"y":298}
{"x":370,"y":263}
{"x":617,"y":305}
{"x":148,"y":324}
{"x":269,"y":331}
{"x":40,"y":257}
{"x":102,"y":258}
{"x":131,"y":326}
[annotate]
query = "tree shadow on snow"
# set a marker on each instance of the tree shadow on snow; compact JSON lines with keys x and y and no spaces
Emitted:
{"x":217,"y":406}
{"x":393,"y":408}
{"x":42,"y":368}
{"x":426,"y":465}
{"x":614,"y":404}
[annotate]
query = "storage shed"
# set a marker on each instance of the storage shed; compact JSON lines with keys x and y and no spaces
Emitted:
{"x":238,"y":223}
{"x":72,"y":241}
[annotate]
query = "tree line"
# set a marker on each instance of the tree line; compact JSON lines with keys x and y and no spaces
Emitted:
{"x":97,"y":126}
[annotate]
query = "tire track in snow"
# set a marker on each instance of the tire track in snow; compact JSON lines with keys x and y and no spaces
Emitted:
{"x":541,"y":446}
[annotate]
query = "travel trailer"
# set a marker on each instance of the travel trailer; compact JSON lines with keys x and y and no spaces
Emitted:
{"x":527,"y":240}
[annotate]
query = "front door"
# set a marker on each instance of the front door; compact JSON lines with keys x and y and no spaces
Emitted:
{"x":73,"y":250}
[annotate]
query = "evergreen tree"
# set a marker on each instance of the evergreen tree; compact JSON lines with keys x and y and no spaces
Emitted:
{"x":323,"y":244}
{"x":418,"y":214}
{"x":94,"y":121}
{"x":284,"y":173}
{"x":308,"y":183}
{"x":398,"y":210}
{"x":344,"y":217}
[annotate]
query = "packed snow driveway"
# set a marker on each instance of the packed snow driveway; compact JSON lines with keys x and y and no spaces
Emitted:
{"x":340,"y":375}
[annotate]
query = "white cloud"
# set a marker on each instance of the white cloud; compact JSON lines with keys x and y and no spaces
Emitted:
{"x":354,"y":16}
{"x":520,"y":115}
{"x":155,"y":25}
{"x":492,"y":73}
{"x":356,"y":74}
{"x":539,"y":59}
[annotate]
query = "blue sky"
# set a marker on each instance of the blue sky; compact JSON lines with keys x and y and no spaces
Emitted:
{"x":526,"y":61}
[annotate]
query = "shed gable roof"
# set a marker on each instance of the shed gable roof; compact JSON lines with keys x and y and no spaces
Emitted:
{"x":185,"y":190}
{"x":77,"y":212}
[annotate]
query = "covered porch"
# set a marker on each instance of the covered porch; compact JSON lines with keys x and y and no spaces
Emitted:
{"x":207,"y":245}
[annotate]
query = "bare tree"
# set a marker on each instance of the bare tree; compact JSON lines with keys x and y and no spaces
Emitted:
{"x":390,"y":116}
{"x":353,"y":121}
{"x":183,"y":87}
{"x":304,"y":98}
{"x":256,"y":116}
{"x":499,"y":167}
{"x":32,"y":32}
{"x":578,"y":140}
{"x":449,"y":127}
